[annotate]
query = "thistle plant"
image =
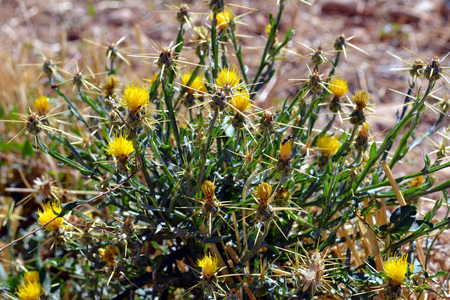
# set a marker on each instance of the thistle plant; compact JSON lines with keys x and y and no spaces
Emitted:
{"x":185,"y":187}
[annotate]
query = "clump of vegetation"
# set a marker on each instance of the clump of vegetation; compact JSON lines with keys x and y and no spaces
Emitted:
{"x":198,"y":192}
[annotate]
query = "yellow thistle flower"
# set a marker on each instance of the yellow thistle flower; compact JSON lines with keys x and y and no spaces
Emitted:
{"x":135,"y":97}
{"x":111,"y":85}
{"x":209,"y":265}
{"x":285,"y":148}
{"x":361,"y":99}
{"x":396,"y":267}
{"x":41,"y":104}
{"x":109,"y":254}
{"x":120,"y":147}
{"x":417,"y":181}
{"x":30,"y":289}
{"x":338,"y":87}
{"x":328,"y":145}
{"x":228,"y":78}
{"x":264,"y":191}
{"x":48,"y":212}
{"x":208,"y":189}
{"x":241,"y":101}
{"x":223,"y":18}
{"x":196,"y":86}
{"x":32,"y":276}
{"x":269,"y":29}
{"x":364,"y":131}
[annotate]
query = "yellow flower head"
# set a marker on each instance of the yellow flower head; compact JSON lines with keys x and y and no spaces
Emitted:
{"x":209,"y":265}
{"x":328,"y":145}
{"x":417,"y":181}
{"x":338,"y":87}
{"x":363,"y":133}
{"x":361,"y":99}
{"x":30,"y":289}
{"x":208,"y":189}
{"x":223,"y":18}
{"x":228,"y":78}
{"x":264,"y":191}
{"x":269,"y":29}
{"x":109,"y":254}
{"x":135,"y":97}
{"x":120,"y":147}
{"x":241,"y":100}
{"x":285,"y":148}
{"x":111,"y":85}
{"x":196,"y":86}
{"x":32,"y":276}
{"x":48,"y":212}
{"x":396,"y":267}
{"x":41,"y":104}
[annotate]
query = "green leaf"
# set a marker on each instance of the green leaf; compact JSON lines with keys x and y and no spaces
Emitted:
{"x":373,"y":151}
{"x":438,"y":274}
{"x":27,"y":150}
{"x":66,"y":207}
{"x":402,"y":219}
{"x":91,"y":8}
{"x":429,"y":216}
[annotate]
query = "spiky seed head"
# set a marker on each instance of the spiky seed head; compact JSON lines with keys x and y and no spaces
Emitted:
{"x":340,"y":42}
{"x":183,"y":14}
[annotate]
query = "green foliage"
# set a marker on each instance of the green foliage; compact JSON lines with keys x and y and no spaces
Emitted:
{"x":156,"y":218}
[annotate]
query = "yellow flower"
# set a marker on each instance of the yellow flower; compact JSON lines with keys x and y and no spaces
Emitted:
{"x":109,"y":254}
{"x":395,"y":268}
{"x":32,"y":276}
{"x":241,"y":101}
{"x":208,"y":189}
{"x":209,"y":265}
{"x":196,"y":86}
{"x":30,"y":289}
{"x":224,"y":18}
{"x":120,"y":147}
{"x":361,"y":99}
{"x":135,"y":97}
{"x":111,"y":85}
{"x":269,"y":29}
{"x":417,"y":181}
{"x":338,"y":87}
{"x":48,"y":212}
{"x":285,"y":148}
{"x":41,"y":104}
{"x":264,"y":191}
{"x":328,"y":145}
{"x":228,"y":78}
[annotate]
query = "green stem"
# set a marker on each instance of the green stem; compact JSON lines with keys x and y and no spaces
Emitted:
{"x":206,"y":149}
{"x":214,"y":47}
{"x":269,"y":43}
